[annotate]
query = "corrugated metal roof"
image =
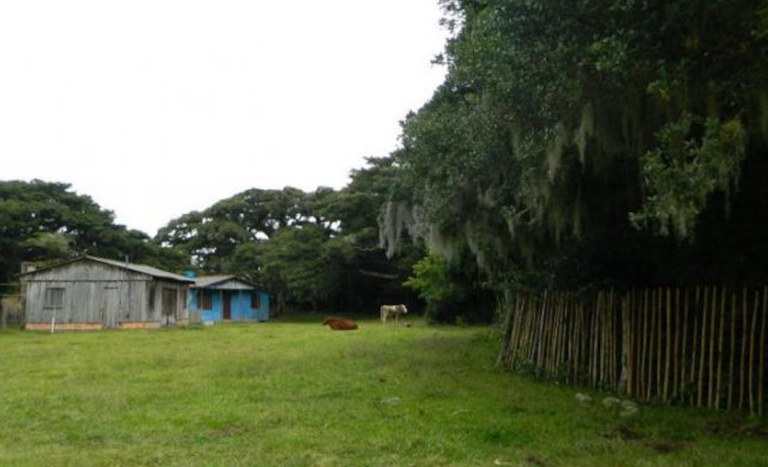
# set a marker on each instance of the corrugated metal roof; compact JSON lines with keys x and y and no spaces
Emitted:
{"x":207,"y":281}
{"x":144,"y":269}
{"x":219,"y":281}
{"x":140,"y":268}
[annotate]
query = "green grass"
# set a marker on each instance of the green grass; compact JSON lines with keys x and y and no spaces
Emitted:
{"x":296,"y":393}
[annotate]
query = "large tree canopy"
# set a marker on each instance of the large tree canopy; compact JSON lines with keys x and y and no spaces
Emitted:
{"x":314,"y":250}
{"x":598,"y":140}
{"x":45,"y":221}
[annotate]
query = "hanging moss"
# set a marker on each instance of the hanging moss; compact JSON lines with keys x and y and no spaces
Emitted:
{"x":762,"y":110}
{"x":585,"y":130}
{"x":684,"y":171}
{"x":396,"y":218}
{"x":553,"y":131}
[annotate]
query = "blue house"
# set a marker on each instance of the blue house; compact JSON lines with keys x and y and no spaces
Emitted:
{"x":228,"y":298}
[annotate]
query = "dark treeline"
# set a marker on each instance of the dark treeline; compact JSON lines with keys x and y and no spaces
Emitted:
{"x":47,"y":222}
{"x":572,"y":145}
{"x":593,"y":144}
{"x":315,"y":251}
{"x":312,"y":251}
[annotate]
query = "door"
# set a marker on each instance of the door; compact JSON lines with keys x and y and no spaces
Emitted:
{"x":170,"y":304}
{"x":110,"y":304}
{"x":227,"y":299}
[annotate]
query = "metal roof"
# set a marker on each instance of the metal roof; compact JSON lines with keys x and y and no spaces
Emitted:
{"x":140,"y":268}
{"x":204,"y":282}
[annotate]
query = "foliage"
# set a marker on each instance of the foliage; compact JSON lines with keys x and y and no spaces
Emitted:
{"x":304,"y":265}
{"x":560,"y":121}
{"x":295,"y":393}
{"x":680,"y":174}
{"x":316,"y":250}
{"x":222,"y":237}
{"x":451,"y":293}
{"x":43,"y":221}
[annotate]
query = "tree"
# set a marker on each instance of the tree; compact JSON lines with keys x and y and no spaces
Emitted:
{"x":452,"y":292}
{"x":606,"y":135}
{"x":43,"y":221}
{"x":222,"y":237}
{"x":303,"y":265}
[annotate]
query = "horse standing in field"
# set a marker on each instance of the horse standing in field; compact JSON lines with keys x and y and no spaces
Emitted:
{"x":388,"y":311}
{"x":340,"y":324}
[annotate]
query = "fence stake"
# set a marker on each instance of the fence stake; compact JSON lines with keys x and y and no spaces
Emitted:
{"x":762,"y":354}
{"x":651,"y":340}
{"x":684,"y":348}
{"x":703,"y":345}
{"x":720,"y":347}
{"x":646,"y":349}
{"x":669,"y":345}
{"x":676,"y":348}
{"x":732,"y":353}
{"x":712,"y":340}
{"x":752,"y":353}
{"x":659,"y":349}
{"x":743,"y":346}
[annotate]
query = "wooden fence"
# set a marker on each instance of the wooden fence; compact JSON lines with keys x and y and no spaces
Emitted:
{"x":701,"y":346}
{"x":11,"y":310}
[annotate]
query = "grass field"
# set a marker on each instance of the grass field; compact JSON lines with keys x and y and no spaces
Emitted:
{"x":296,"y":393}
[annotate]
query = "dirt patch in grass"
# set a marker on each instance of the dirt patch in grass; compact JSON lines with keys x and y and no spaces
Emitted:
{"x":734,"y":428}
{"x":662,"y":446}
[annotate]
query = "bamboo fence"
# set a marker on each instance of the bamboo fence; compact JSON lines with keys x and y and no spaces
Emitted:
{"x":699,"y":346}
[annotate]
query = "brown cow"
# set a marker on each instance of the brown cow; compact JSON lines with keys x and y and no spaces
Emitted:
{"x":340,"y":324}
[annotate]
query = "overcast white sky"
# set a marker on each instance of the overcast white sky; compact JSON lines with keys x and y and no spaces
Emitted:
{"x":155,"y":108}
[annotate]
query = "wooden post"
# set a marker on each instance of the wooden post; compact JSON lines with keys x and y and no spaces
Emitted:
{"x":752,"y":353}
{"x":761,"y":370}
{"x":711,"y":384}
{"x":651,"y":355}
{"x":743,"y":347}
{"x":676,"y":347}
{"x":508,"y":328}
{"x":684,"y":349}
{"x":659,"y":345}
{"x":562,"y":332}
{"x":637,"y":336}
{"x":615,"y":313}
{"x":625,"y":376}
{"x":540,"y":340}
{"x":595,"y":343}
{"x":732,"y":353}
{"x":694,"y":344}
{"x":703,"y":345}
{"x":667,"y":362}
{"x":578,"y":341}
{"x":646,"y":349}
{"x":720,"y":348}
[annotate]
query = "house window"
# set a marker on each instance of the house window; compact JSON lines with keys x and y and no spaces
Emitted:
{"x":207,"y":300}
{"x":54,"y":298}
{"x":255,"y":300}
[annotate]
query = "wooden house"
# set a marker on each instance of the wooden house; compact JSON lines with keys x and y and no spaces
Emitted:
{"x":93,"y":293}
{"x":228,"y":298}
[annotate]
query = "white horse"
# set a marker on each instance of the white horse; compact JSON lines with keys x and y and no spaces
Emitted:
{"x":387,"y":311}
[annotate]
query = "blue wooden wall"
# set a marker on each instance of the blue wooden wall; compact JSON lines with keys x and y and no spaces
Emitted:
{"x":240,"y":305}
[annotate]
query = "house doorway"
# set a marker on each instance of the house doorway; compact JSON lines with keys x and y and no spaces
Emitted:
{"x":110,"y":305}
{"x":227,"y":308}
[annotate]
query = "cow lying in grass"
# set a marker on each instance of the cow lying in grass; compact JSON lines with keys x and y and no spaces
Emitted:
{"x":340,"y":324}
{"x":388,"y":311}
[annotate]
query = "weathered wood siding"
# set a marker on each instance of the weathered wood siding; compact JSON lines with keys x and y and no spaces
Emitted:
{"x":92,"y":292}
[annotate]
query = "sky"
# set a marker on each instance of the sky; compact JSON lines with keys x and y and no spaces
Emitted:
{"x":155,"y":108}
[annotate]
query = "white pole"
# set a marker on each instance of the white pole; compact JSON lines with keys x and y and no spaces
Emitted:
{"x":53,"y":321}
